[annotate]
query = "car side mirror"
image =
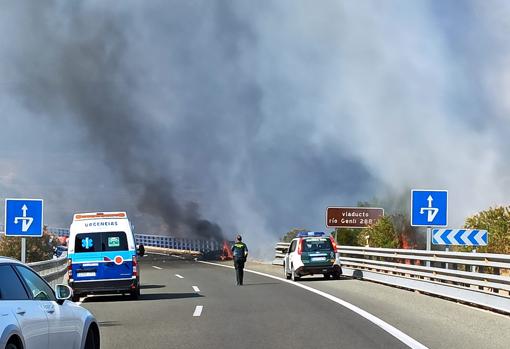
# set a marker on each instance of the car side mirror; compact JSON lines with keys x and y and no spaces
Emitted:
{"x":141,"y":250}
{"x":63,"y":293}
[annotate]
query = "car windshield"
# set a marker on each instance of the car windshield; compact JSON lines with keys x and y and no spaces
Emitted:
{"x":101,"y":242}
{"x":317,"y":244}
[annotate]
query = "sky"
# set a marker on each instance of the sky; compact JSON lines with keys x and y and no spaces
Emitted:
{"x":209,"y":118}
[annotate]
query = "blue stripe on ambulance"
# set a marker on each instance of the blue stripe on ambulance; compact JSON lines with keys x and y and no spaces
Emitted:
{"x":101,"y":265}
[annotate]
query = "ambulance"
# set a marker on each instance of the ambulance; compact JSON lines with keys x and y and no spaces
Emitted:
{"x":102,"y":255}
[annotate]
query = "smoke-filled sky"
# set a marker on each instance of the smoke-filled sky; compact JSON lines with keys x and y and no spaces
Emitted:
{"x":211,"y":117}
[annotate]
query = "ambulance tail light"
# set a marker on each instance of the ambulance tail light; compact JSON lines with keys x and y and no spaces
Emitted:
{"x":70,"y":268}
{"x":300,"y":246}
{"x":135,"y":267}
{"x":333,"y":243}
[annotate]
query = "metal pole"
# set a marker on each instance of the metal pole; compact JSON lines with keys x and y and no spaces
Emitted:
{"x":23,"y":249}
{"x":447,"y":250}
{"x":429,"y":242}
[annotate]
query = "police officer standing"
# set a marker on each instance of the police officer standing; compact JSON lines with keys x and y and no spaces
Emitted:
{"x":240,"y":252}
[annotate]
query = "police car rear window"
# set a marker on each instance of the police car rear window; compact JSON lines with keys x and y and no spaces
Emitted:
{"x":101,"y":242}
{"x":317,"y":244}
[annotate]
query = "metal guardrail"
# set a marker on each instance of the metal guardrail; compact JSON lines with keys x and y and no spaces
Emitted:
{"x":280,"y":251}
{"x":481,"y":279}
{"x":52,"y":271}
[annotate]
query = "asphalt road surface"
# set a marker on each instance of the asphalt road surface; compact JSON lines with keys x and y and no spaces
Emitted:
{"x":187,"y":304}
{"x":263,"y":313}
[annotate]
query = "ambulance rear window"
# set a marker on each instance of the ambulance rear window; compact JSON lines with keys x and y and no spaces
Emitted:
{"x":101,"y":242}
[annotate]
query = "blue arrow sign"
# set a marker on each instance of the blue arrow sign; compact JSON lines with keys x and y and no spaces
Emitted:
{"x":463,"y":237}
{"x":429,"y":208}
{"x":23,"y":217}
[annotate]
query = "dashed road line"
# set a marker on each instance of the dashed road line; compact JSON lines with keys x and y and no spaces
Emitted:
{"x":158,"y":268}
{"x":198,"y":310}
{"x":179,"y":276}
{"x":196,"y":289}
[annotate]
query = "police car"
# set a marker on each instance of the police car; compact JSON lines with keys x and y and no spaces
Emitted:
{"x":311,"y":253}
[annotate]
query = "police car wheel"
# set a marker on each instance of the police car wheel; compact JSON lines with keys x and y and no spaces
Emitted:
{"x":287,"y":275}
{"x":135,"y":294}
{"x":293,"y":274}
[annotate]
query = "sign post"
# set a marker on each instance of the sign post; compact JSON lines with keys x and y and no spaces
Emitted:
{"x":429,"y":208}
{"x":23,"y":250}
{"x":23,"y":218}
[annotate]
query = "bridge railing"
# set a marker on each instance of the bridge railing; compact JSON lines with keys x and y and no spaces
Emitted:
{"x":477,"y":278}
{"x":176,"y":243}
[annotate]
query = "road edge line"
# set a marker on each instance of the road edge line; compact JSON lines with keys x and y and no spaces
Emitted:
{"x":395,"y":332}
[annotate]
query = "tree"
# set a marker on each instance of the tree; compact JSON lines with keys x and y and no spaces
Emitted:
{"x":38,"y":249}
{"x":497,"y":222}
{"x":292,"y":234}
{"x":380,"y":234}
{"x":347,"y":237}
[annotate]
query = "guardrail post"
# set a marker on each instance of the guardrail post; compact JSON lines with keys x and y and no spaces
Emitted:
{"x":446,"y":266}
{"x":473,"y":267}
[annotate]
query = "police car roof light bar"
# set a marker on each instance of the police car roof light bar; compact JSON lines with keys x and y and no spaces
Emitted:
{"x":304,"y":234}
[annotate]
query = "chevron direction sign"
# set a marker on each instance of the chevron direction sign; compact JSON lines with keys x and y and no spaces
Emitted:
{"x":465,"y":237}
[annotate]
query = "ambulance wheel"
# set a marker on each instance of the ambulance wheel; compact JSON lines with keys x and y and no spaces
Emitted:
{"x":293,"y":274}
{"x":135,"y":294}
{"x":287,"y":275}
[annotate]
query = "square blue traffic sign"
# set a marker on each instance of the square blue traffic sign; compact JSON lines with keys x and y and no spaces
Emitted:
{"x":24,"y":217}
{"x":429,"y":208}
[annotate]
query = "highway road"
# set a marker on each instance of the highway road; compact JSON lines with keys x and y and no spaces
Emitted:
{"x":187,"y":304}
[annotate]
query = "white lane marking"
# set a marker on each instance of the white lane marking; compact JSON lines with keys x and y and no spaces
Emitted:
{"x":158,"y":268}
{"x":176,"y":256}
{"x":401,"y":336}
{"x":179,"y":276}
{"x":196,"y":289}
{"x":198,"y":310}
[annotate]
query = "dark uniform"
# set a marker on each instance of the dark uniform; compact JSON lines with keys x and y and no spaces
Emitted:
{"x":240,"y":252}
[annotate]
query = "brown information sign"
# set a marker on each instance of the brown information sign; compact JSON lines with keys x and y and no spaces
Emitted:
{"x":352,"y":217}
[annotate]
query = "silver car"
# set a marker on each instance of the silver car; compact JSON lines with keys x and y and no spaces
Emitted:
{"x":33,"y":316}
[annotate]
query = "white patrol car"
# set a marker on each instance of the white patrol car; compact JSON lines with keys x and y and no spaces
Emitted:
{"x":311,"y":253}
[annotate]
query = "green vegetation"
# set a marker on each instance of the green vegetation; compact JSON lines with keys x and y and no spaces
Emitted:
{"x":38,"y":249}
{"x":380,"y":234}
{"x":347,"y":237}
{"x":497,"y":222}
{"x":292,"y":234}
